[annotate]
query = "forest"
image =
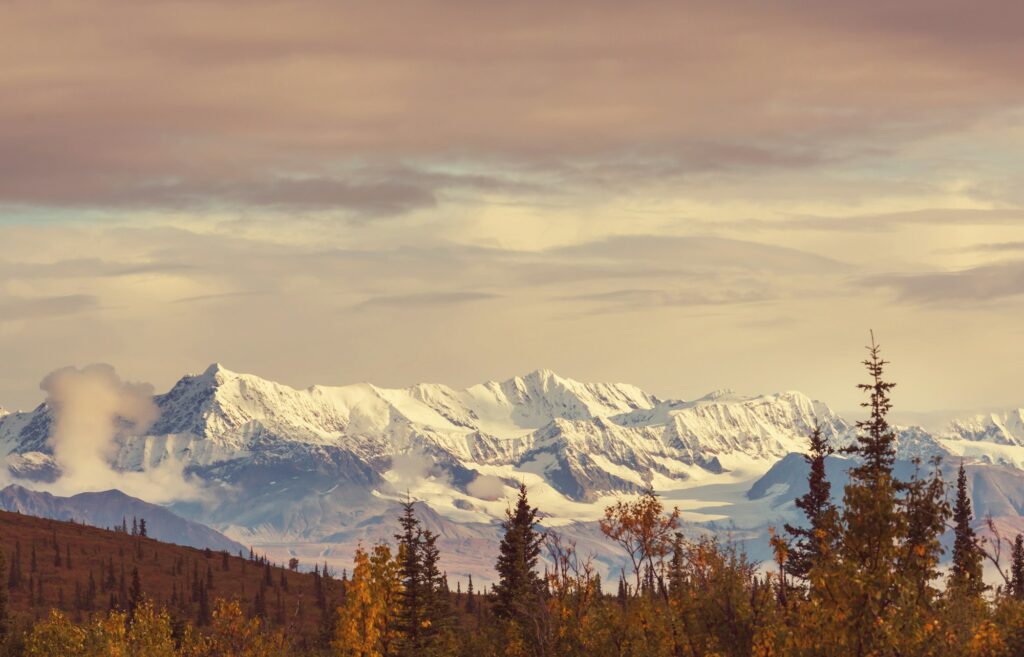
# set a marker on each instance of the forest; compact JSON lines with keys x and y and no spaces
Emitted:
{"x":858,"y":578}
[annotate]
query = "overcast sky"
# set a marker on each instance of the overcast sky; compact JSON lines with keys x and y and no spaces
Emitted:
{"x":681,"y":195}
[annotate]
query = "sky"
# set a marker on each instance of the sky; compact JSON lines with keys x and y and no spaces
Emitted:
{"x":682,"y":195}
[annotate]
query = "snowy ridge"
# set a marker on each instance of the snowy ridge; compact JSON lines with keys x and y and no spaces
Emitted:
{"x":326,"y":465}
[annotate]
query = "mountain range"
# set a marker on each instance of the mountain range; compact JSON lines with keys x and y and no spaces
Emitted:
{"x":311,"y":472}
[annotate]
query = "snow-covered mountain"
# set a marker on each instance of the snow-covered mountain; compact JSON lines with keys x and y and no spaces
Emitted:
{"x":311,"y":471}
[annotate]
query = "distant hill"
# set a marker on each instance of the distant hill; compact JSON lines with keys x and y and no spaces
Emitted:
{"x":55,"y":562}
{"x":108,"y":509}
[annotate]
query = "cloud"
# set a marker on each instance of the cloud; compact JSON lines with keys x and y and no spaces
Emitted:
{"x":969,"y":286}
{"x":882,"y":222}
{"x":697,"y":252}
{"x":22,"y":308}
{"x":427,"y":299}
{"x":295,"y":107}
{"x":996,"y":247}
{"x":91,"y":408}
{"x":411,"y":466}
{"x":617,"y":301}
{"x":486,"y":487}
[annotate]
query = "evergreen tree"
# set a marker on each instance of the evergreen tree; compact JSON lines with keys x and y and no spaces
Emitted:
{"x":926,"y":511}
{"x":437,"y":608}
{"x":816,"y":504}
{"x":134,"y":593}
{"x":1017,"y":569}
{"x":872,"y":525}
{"x":411,"y":609}
{"x":470,"y":599}
{"x":143,"y":531}
{"x":676,"y":570}
{"x":14,"y":576}
{"x":204,"y":615}
{"x":111,"y":581}
{"x":90,"y":593}
{"x":259,"y":609}
{"x":965,"y":575}
{"x":518,"y":588}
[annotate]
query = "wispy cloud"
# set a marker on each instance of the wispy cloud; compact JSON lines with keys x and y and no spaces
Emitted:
{"x":969,"y":286}
{"x":22,"y":308}
{"x":426,"y":299}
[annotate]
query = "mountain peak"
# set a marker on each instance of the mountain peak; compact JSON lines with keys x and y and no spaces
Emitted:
{"x":216,"y":370}
{"x":722,"y":394}
{"x":541,"y":374}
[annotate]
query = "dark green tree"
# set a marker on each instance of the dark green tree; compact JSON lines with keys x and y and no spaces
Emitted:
{"x":965,"y":574}
{"x":926,"y":511}
{"x":412,"y":600}
{"x":518,"y":588}
{"x":15,"y":575}
{"x":134,"y":593}
{"x":435,"y":595}
{"x":813,"y":538}
{"x":1017,"y":568}
{"x":872,"y":522}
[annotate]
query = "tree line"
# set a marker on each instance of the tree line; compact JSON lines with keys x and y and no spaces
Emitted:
{"x":859,"y":578}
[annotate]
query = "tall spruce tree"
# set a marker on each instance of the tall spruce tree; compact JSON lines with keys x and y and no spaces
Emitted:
{"x":411,"y":612}
{"x":518,"y":586}
{"x":812,"y":539}
{"x":872,"y":524}
{"x":965,"y":574}
{"x":470,"y":599}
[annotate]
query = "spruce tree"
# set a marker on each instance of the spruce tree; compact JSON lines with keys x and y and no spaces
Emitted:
{"x":872,"y":524}
{"x":965,"y":575}
{"x":111,"y":581}
{"x":926,"y":510}
{"x":134,"y":593}
{"x":470,"y":599}
{"x":436,"y":605}
{"x":816,"y":504}
{"x":204,"y":615}
{"x":411,"y":604}
{"x":14,"y":576}
{"x":1017,"y":568}
{"x":518,"y":588}
{"x":676,"y":570}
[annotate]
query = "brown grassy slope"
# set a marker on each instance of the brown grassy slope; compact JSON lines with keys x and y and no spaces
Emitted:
{"x":163,"y":569}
